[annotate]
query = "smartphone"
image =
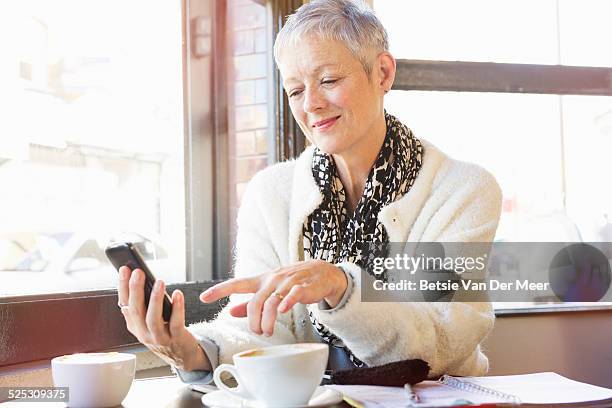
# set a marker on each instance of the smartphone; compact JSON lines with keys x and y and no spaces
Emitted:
{"x":126,"y":254}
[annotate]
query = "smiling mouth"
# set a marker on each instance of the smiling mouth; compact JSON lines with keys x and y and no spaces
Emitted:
{"x":325,"y":124}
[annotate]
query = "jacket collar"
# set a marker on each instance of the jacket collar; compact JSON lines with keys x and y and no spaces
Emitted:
{"x":398,"y":217}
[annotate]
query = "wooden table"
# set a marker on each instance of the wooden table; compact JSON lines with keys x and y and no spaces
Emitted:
{"x":167,"y":392}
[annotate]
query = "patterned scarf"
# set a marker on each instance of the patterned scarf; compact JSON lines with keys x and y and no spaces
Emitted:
{"x":332,"y":235}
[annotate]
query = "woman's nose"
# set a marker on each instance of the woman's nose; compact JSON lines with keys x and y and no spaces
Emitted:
{"x":313,"y":101}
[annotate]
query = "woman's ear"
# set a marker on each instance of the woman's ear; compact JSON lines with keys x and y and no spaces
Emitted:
{"x":386,"y":71}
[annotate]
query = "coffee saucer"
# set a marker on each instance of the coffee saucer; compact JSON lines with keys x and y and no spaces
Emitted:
{"x":322,"y":397}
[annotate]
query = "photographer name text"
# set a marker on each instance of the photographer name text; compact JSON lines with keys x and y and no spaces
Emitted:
{"x":468,"y":284}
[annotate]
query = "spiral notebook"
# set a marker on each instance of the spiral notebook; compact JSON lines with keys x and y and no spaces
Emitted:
{"x":527,"y":390}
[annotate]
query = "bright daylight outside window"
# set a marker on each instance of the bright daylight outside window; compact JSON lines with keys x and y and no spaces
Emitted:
{"x":549,"y":153}
{"x":92,"y":141}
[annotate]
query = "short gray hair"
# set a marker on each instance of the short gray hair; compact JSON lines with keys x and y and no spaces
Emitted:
{"x":350,"y":22}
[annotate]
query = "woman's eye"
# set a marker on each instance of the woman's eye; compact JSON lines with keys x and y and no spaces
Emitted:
{"x":294,"y":93}
{"x":329,"y":81}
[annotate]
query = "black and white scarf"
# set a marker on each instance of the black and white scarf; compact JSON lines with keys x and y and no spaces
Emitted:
{"x":331,"y":234}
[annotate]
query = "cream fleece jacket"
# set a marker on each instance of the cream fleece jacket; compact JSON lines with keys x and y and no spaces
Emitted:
{"x":450,"y":201}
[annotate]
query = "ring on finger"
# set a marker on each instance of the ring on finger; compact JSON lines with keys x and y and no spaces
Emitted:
{"x":120,"y":306}
{"x":278,"y":295}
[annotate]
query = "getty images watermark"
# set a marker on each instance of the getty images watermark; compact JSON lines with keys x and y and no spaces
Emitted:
{"x":498,"y":272}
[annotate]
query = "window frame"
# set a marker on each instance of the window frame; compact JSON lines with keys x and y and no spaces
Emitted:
{"x":95,"y":323}
{"x":465,"y":76}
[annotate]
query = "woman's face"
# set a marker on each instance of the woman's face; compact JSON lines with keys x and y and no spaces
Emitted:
{"x":331,"y":97}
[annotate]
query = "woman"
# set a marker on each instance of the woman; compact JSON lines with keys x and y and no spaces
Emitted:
{"x":304,"y":224}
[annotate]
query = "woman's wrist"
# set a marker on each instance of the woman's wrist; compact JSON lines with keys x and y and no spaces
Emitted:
{"x":340,"y":285}
{"x":198,"y":360}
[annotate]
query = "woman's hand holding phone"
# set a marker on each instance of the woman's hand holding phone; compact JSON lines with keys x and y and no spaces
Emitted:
{"x":172,"y":342}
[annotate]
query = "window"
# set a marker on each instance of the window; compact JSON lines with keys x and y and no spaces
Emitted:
{"x":525,"y":32}
{"x":106,"y":151}
{"x":546,"y":142}
{"x":125,"y":127}
{"x":93,"y":144}
{"x":542,"y":175}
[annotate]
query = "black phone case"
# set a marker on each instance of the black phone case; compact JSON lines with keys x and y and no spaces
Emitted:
{"x":126,"y":254}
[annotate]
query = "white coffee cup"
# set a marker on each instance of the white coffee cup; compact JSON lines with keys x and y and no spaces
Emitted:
{"x":94,"y":380}
{"x":277,"y":376}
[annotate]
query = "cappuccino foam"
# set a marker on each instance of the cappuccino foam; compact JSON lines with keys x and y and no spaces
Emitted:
{"x":277,"y":351}
{"x":94,"y":358}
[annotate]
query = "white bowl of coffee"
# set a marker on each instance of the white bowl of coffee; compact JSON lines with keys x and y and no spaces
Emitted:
{"x":277,"y":376}
{"x":94,"y":380}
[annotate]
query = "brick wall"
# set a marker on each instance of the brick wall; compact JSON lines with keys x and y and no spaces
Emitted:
{"x":248,"y":100}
